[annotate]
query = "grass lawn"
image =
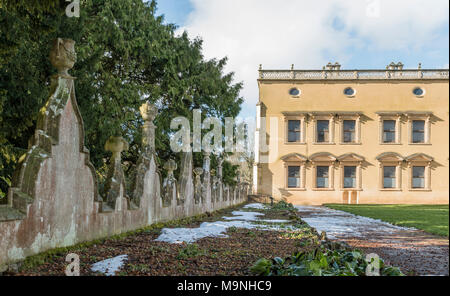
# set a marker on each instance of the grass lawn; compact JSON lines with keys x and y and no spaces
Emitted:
{"x":430,"y":218}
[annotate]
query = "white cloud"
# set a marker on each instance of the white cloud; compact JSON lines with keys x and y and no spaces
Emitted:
{"x":278,"y":33}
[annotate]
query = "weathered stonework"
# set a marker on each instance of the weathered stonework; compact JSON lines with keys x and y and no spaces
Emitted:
{"x":54,"y":201}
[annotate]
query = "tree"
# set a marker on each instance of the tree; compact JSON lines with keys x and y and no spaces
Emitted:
{"x":126,"y":55}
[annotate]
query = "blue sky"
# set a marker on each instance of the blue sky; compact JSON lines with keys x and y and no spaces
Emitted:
{"x":175,"y":11}
{"x":360,"y":34}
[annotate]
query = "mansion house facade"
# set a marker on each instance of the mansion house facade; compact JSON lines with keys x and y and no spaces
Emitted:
{"x":353,"y":136}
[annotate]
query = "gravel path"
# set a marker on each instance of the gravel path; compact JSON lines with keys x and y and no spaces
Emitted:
{"x":414,"y":251}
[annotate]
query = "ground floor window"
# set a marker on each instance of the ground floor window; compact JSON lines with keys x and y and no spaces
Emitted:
{"x":293,"y":177}
{"x":322,"y":176}
{"x":389,"y":180}
{"x":350,"y":177}
{"x":418,"y":180}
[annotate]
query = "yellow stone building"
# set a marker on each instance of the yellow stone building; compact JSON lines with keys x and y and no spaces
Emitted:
{"x":353,"y":136}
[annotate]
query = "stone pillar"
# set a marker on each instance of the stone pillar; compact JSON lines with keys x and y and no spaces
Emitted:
{"x":207,"y":176}
{"x":115,"y":180}
{"x":170,"y":184}
{"x":148,"y":113}
{"x":198,"y":197}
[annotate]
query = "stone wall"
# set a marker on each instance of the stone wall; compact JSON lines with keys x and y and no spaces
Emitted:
{"x":54,"y":200}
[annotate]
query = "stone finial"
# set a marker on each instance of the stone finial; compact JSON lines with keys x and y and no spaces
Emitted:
{"x":420,"y":66}
{"x":198,"y":172}
{"x":292,"y":67}
{"x":116,"y":145}
{"x":260,"y":67}
{"x":148,"y":111}
{"x":170,"y":166}
{"x":63,"y":55}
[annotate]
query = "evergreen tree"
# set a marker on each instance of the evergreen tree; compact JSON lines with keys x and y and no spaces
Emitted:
{"x":126,"y":55}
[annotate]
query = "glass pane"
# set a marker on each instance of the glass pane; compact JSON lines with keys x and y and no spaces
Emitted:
{"x":294,"y":131}
{"x":322,"y":171}
{"x":389,"y":182}
{"x":349,"y":131}
{"x":418,"y":137}
{"x":293,"y":182}
{"x":389,"y":171}
{"x":294,"y":177}
{"x":419,"y":172}
{"x":294,"y":171}
{"x":322,"y":177}
{"x":322,"y":130}
{"x":322,"y":182}
{"x":389,"y":125}
{"x":350,"y":171}
{"x":418,"y":131}
{"x":418,"y":183}
{"x":389,"y":131}
{"x":349,"y":182}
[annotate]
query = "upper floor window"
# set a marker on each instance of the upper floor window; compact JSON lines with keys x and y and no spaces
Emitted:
{"x":419,"y":92}
{"x":295,"y":92}
{"x":418,"y":131}
{"x":294,"y":131}
{"x":323,"y":131}
{"x":349,"y":131}
{"x":349,"y":92}
{"x":389,"y":131}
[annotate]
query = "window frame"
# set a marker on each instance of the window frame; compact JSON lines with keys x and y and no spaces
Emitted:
{"x":292,"y":160}
{"x":323,"y":159}
{"x":299,"y":176}
{"x":357,"y":132}
{"x":315,"y":118}
{"x":387,"y":116}
{"x":302,"y":119}
{"x":426,"y":118}
{"x":351,"y":160}
{"x":420,"y":160}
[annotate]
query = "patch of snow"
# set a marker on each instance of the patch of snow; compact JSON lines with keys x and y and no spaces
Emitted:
{"x":246,"y":216}
{"x":218,"y":228}
{"x":257,"y":206}
{"x":340,"y":224}
{"x":276,"y":221}
{"x":206,"y":229}
{"x":109,"y":266}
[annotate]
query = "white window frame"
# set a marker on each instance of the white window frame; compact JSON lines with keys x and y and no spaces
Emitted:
{"x":357,"y":119}
{"x":331,"y":127}
{"x":427,"y":128}
{"x":398,"y":127}
{"x":426,"y":162}
{"x":300,"y":164}
{"x":302,"y":119}
{"x":358,"y":165}
{"x":398,"y":175}
{"x":320,"y":161}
